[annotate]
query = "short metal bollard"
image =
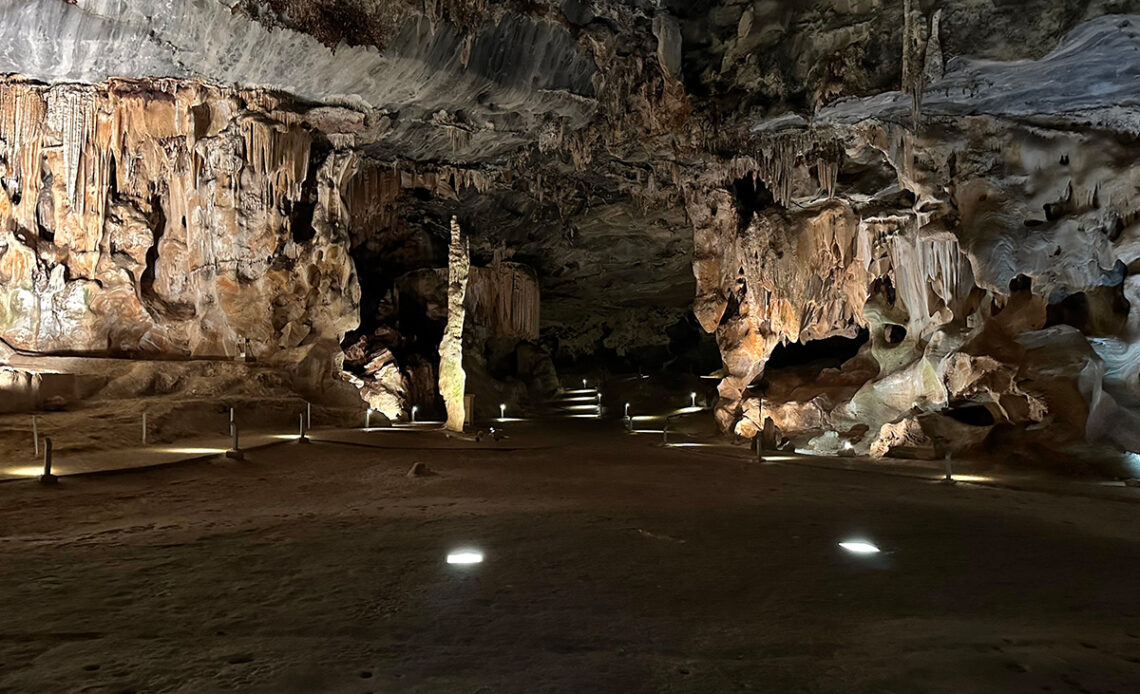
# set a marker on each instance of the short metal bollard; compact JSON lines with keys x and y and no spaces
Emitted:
{"x":235,"y":451}
{"x":36,"y":436}
{"x":665,"y":434}
{"x":759,"y":443}
{"x":48,"y":477}
{"x":303,"y":438}
{"x":949,"y":470}
{"x":144,"y":428}
{"x":308,"y":416}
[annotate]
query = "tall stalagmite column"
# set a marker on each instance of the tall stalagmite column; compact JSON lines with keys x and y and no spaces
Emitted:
{"x":452,"y":378}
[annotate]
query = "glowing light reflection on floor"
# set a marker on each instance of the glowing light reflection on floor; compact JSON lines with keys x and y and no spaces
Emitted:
{"x":971,"y":478}
{"x":859,"y":547}
{"x":192,"y":451}
{"x":27,"y":471}
{"x":467,"y":556}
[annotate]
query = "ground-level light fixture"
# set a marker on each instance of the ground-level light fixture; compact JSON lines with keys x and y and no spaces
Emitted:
{"x":465,"y":556}
{"x":693,"y":398}
{"x":583,"y":383}
{"x":859,"y":547}
{"x":415,"y":409}
{"x":502,"y":410}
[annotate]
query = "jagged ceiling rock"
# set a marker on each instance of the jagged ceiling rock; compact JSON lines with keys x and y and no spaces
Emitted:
{"x":449,"y":96}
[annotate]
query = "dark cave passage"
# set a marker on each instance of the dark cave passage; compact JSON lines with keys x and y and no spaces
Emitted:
{"x":828,"y":352}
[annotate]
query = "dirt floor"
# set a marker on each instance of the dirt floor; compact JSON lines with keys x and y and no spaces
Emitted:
{"x":611,"y":565}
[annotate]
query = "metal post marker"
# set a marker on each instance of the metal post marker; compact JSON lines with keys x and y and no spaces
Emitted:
{"x":47,"y":477}
{"x":665,"y":434}
{"x":760,"y":447}
{"x":144,"y":429}
{"x":36,"y":436}
{"x":303,"y":438}
{"x":949,"y":470}
{"x":308,"y":415}
{"x":235,"y":451}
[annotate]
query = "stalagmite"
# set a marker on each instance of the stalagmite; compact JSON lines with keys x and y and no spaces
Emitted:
{"x":452,"y":378}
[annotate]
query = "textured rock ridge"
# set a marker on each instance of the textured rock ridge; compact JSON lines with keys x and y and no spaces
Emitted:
{"x":989,"y":258}
{"x":167,"y":219}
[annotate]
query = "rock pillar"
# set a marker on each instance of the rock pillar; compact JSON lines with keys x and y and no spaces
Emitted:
{"x":452,"y":378}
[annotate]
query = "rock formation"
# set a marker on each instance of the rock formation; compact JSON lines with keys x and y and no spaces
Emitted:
{"x":166,"y":219}
{"x":950,"y":183}
{"x":452,"y":377}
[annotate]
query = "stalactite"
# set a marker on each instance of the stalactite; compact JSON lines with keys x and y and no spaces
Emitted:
{"x":145,"y":151}
{"x":504,"y":298}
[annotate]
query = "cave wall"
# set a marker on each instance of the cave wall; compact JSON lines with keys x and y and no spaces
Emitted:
{"x":167,"y":219}
{"x":986,"y":241}
{"x":954,"y":178}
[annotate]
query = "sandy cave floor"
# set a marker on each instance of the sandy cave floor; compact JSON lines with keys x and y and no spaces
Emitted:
{"x":612,"y":565}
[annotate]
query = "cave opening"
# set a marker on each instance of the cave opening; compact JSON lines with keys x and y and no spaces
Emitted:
{"x":894,"y":334}
{"x":300,"y":211}
{"x":973,"y":415}
{"x":751,"y":196}
{"x":157,"y":222}
{"x":829,"y":352}
{"x":1101,"y":312}
{"x":45,"y":205}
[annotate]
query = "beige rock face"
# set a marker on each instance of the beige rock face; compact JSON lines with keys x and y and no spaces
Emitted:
{"x":167,"y":219}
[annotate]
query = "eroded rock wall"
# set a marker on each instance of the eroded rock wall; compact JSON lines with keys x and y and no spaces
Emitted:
{"x":985,"y":242}
{"x":167,"y":219}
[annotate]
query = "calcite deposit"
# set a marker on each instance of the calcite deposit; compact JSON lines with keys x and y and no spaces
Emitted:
{"x":452,"y":377}
{"x":166,"y":219}
{"x":942,"y":191}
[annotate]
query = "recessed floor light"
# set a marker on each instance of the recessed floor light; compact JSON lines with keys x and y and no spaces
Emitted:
{"x":465,"y":557}
{"x":859,"y":547}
